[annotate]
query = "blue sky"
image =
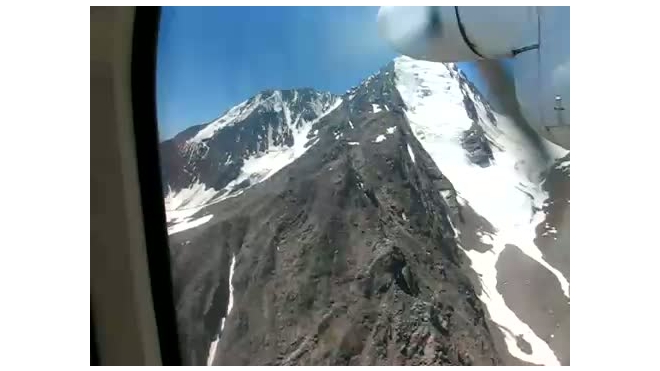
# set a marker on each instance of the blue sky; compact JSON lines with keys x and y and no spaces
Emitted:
{"x":210,"y":59}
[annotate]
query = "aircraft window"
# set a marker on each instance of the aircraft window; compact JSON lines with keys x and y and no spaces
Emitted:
{"x":332,"y":202}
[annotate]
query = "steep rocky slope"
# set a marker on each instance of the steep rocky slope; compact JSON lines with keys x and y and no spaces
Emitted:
{"x":372,"y":236}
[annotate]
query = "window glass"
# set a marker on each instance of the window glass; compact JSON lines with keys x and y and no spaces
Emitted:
{"x":332,"y":202}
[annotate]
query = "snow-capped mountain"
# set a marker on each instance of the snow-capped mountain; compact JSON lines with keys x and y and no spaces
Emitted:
{"x":245,"y":146}
{"x":448,"y":117}
{"x":405,"y":223}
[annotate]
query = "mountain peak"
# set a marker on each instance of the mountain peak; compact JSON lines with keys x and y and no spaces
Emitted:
{"x":210,"y":160}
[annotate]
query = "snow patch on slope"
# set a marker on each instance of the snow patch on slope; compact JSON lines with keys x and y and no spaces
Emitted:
{"x":565,"y":167}
{"x":211,"y":357}
{"x":429,"y":89}
{"x":230,"y":304}
{"x":287,"y":114}
{"x":181,"y":205}
{"x":264,"y":165}
{"x":195,"y":195}
{"x":505,"y":317}
{"x":410,"y":152}
{"x":375,"y":108}
{"x":382,"y":137}
{"x":187,"y":224}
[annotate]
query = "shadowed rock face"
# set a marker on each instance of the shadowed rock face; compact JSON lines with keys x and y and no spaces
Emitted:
{"x":553,"y":234}
{"x":474,"y":140}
